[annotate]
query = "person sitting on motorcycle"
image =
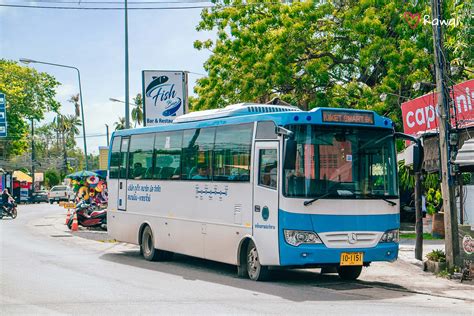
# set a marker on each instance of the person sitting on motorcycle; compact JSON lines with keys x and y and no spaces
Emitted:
{"x":6,"y":200}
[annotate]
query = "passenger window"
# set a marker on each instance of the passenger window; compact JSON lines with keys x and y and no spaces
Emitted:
{"x":168,"y":155}
{"x":268,"y":168}
{"x":198,"y":145}
{"x":141,"y":156}
{"x":115,"y":158}
{"x":232,"y":153}
{"x":124,"y":158}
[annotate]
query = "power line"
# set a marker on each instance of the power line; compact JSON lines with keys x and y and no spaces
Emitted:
{"x":104,"y":8}
{"x":187,"y":7}
{"x":114,"y":2}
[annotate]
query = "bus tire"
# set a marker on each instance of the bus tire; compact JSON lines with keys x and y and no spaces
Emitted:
{"x":349,"y":273}
{"x":147,"y":247}
{"x":255,"y":270}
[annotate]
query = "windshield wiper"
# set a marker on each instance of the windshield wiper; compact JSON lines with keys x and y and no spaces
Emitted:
{"x":380,"y":197}
{"x":309,"y":202}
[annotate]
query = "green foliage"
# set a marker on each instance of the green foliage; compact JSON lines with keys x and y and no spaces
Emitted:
{"x":137,"y":111}
{"x":426,"y":236}
{"x":406,"y":179}
{"x":434,"y":200}
{"x":336,"y":54}
{"x":120,"y":124}
{"x":29,"y":94}
{"x":51,"y":178}
{"x":436,"y":255}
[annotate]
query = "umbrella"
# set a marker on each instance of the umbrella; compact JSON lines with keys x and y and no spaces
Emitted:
{"x":82,"y":174}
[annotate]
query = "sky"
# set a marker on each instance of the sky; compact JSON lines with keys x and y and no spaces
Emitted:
{"x":93,"y":41}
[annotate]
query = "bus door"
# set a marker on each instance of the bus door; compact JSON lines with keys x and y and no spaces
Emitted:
{"x":122,"y":182}
{"x":265,"y":201}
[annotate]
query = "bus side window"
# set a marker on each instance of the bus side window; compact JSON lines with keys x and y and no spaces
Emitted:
{"x":124,"y":158}
{"x":232,"y":152}
{"x":168,"y":155}
{"x":268,"y":168}
{"x":198,"y":146}
{"x":115,"y":158}
{"x":141,"y":156}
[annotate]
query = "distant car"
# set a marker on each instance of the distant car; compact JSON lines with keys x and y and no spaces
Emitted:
{"x":39,"y":197}
{"x":60,"y":193}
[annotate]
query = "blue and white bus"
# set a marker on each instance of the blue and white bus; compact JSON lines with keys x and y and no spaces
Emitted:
{"x":259,"y":186}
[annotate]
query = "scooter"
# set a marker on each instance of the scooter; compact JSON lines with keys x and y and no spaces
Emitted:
{"x":89,"y":216}
{"x":10,"y":211}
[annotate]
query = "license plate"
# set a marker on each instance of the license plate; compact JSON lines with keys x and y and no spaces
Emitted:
{"x":352,"y":258}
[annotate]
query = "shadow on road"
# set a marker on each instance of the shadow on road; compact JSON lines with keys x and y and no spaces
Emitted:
{"x":295,"y":285}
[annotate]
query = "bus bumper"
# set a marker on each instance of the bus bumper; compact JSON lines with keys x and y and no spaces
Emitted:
{"x":319,"y":254}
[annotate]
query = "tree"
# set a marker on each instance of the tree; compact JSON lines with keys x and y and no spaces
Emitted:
{"x":74,"y":99}
{"x":137,"y":111}
{"x":330,"y":54}
{"x":51,"y":178}
{"x":120,"y":124}
{"x":29,"y":94}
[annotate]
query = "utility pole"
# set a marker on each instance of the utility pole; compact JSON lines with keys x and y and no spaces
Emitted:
{"x":33,"y":154}
{"x":419,"y":218}
{"x":127,"y":102}
{"x":447,"y":179}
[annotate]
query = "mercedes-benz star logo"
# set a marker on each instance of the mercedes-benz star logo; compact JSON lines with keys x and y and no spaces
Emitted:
{"x":352,"y":238}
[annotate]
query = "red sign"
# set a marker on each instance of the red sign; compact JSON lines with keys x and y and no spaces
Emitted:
{"x":421,"y":115}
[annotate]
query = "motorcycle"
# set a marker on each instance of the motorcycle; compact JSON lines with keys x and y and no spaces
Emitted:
{"x":89,"y":216}
{"x":10,"y":210}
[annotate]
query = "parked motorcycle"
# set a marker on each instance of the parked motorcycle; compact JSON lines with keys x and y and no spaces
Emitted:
{"x":89,"y":216}
{"x":9,"y":211}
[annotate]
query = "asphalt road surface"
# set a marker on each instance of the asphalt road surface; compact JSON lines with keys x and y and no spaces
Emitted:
{"x":43,"y":270}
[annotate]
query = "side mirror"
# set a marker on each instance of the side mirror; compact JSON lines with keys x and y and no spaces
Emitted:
{"x":290,"y":154}
{"x":418,"y":152}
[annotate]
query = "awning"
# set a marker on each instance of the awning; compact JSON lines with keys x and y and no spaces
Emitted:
{"x":21,"y":176}
{"x":465,"y":156}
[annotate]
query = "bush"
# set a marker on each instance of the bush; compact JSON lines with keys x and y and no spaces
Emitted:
{"x":51,"y":178}
{"x":437,"y":255}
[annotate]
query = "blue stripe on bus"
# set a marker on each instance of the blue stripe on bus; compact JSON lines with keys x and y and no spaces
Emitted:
{"x":319,"y":253}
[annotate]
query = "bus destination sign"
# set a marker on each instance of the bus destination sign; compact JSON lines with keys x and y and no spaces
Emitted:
{"x":348,"y":117}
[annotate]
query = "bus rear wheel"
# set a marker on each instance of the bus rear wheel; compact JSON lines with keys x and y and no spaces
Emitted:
{"x":147,"y":247}
{"x":255,"y":270}
{"x":349,"y":273}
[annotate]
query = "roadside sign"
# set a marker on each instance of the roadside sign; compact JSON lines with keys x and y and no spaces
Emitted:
{"x":3,"y":115}
{"x":165,"y":96}
{"x":69,"y":205}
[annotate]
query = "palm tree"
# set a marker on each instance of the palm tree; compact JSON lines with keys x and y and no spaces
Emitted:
{"x":137,"y":111}
{"x":75,"y":100}
{"x":120,"y":124}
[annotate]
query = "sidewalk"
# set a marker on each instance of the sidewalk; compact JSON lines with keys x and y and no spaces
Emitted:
{"x":408,"y":273}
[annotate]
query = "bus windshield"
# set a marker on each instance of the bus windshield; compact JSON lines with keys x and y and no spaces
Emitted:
{"x":342,"y":162}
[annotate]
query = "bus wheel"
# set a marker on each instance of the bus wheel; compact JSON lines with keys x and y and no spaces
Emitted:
{"x":255,"y":270}
{"x":147,"y":247}
{"x":349,"y":272}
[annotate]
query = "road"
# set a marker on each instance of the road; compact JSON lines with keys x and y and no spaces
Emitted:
{"x":43,"y":270}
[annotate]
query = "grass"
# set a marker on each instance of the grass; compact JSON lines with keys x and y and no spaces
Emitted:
{"x":426,"y":236}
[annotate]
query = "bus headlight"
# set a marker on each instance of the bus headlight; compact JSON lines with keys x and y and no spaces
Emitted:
{"x":390,"y":236}
{"x":298,"y":237}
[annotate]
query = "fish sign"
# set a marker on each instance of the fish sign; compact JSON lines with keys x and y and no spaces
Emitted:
{"x":165,"y":95}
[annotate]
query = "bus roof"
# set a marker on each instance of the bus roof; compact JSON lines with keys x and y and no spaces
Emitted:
{"x":281,"y":115}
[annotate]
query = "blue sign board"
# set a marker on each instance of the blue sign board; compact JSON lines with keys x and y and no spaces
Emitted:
{"x":3,"y":115}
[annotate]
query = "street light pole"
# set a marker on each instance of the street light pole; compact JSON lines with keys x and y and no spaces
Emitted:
{"x":107,"y":132}
{"x":28,"y":61}
{"x":127,"y":105}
